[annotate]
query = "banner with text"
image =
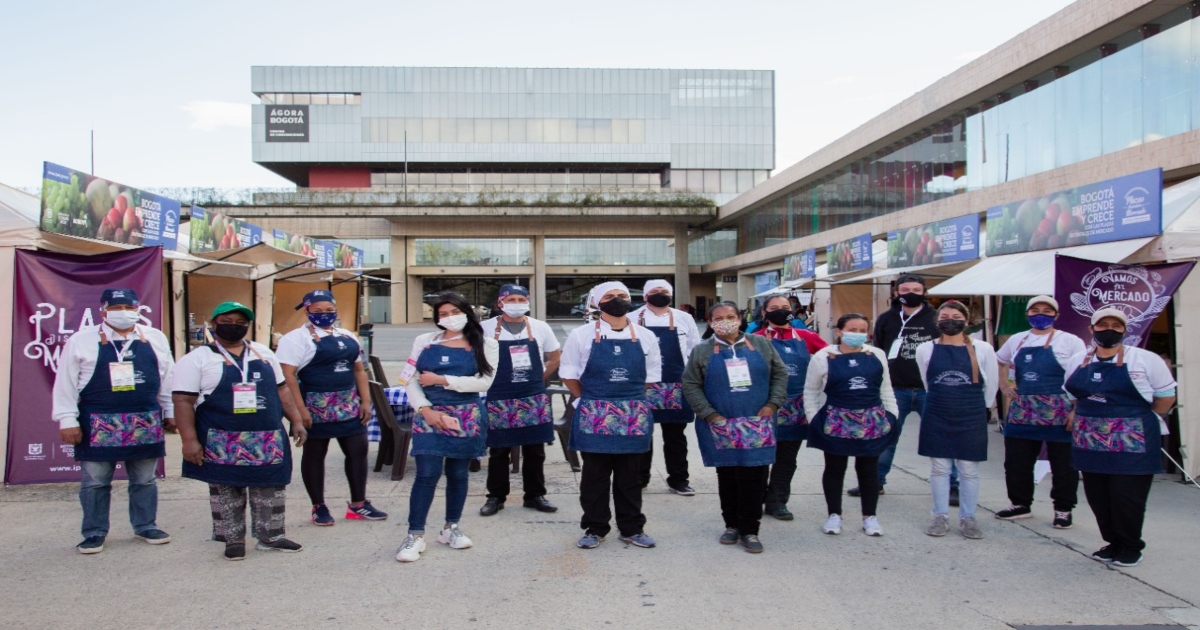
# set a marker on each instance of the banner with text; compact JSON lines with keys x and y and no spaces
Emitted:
{"x":800,"y":266}
{"x":323,"y":251}
{"x":215,"y":231}
{"x":347,"y":257}
{"x":1083,"y":287}
{"x":77,"y":204}
{"x":1112,"y":210}
{"x":765,"y":281}
{"x":949,"y":241}
{"x":855,"y":254}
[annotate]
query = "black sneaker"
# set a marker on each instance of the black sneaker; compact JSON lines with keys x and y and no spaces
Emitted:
{"x":364,"y":512}
{"x":1107,"y":553}
{"x":1062,"y":520}
{"x":321,"y":516}
{"x":90,"y":545}
{"x":683,"y":491}
{"x":154,"y":536}
{"x":474,"y":466}
{"x":1127,"y":559}
{"x":856,"y":492}
{"x":953,"y":496}
{"x":1014,"y":512}
{"x":751,"y":543}
{"x":781,"y":512}
{"x":730,"y":537}
{"x":491,"y":506}
{"x":279,"y":544}
{"x":540,"y":504}
{"x":235,"y":551}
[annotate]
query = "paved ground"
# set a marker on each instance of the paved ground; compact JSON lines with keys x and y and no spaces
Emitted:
{"x":525,"y":571}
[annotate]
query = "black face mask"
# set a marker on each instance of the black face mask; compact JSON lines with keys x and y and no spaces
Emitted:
{"x":659,"y":299}
{"x":1108,"y":338}
{"x":616,"y":307}
{"x":231,"y":332}
{"x":779,"y":317}
{"x":910,"y":299}
{"x":951,"y":326}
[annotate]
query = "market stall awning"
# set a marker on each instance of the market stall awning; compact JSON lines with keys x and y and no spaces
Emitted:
{"x":940,"y":269}
{"x":256,"y":254}
{"x":1030,"y":273}
{"x":79,"y":245}
{"x":187,"y":263}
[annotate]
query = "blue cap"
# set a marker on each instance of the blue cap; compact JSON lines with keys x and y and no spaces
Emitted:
{"x":312,"y":297}
{"x":114,"y":297}
{"x":511,"y":289}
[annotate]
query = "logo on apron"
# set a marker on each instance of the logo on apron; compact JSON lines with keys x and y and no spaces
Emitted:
{"x":1031,"y":376}
{"x":618,"y":374}
{"x":953,"y":378}
{"x":858,"y":382}
{"x":617,"y":350}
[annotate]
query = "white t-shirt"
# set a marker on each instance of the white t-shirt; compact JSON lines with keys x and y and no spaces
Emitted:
{"x":77,"y":365}
{"x":478,"y":383}
{"x":297,"y":348}
{"x":989,"y":369}
{"x":542,"y":334}
{"x":1149,"y":373}
{"x":200,"y":371}
{"x":685,"y":326}
{"x":579,"y":344}
{"x":1064,"y":344}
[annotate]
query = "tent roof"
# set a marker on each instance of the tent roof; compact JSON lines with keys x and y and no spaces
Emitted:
{"x":187,"y":263}
{"x":1181,"y":225}
{"x":18,"y":218}
{"x":256,"y":254}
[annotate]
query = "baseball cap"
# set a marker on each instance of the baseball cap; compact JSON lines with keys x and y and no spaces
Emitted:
{"x":233,"y":307}
{"x":1042,"y":299}
{"x":1109,"y":311}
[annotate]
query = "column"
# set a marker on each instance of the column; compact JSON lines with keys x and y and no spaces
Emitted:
{"x":398,"y":300}
{"x":538,"y":286}
{"x":414,"y":286}
{"x":683,"y":280}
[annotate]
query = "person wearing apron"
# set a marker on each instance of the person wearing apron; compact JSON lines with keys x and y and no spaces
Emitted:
{"x":230,"y":399}
{"x":677,"y":335}
{"x":607,"y":366}
{"x":1121,"y":394}
{"x":1037,"y":413}
{"x":961,"y":378}
{"x":795,"y":347}
{"x":518,"y":407}
{"x":737,"y":382}
{"x":848,"y":393}
{"x":325,"y":375}
{"x":112,"y":398}
{"x":445,"y":377}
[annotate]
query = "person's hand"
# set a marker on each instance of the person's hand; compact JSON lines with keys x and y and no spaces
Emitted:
{"x":364,"y":413}
{"x":766,"y":411}
{"x":429,"y":378}
{"x":193,"y":452}
{"x":432,"y":417}
{"x":306,"y":418}
{"x":718,"y":420}
{"x":1070,"y":424}
{"x":169,"y":425}
{"x":74,"y":435}
{"x":1010,"y":390}
{"x":299,"y":433}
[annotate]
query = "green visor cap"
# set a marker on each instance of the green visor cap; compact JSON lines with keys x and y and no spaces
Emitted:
{"x":233,"y":307}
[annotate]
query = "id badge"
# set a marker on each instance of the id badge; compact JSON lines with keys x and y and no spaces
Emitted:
{"x":894,"y":351}
{"x":520,"y":357}
{"x":738,"y":371}
{"x":409,"y":370}
{"x":121,"y":376}
{"x":245,"y":398}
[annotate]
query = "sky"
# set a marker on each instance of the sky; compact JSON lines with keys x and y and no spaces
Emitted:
{"x":166,"y":85}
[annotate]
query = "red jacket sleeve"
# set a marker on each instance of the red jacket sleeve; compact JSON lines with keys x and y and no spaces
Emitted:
{"x":812,"y":340}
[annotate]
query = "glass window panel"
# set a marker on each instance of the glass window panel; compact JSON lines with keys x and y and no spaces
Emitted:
{"x":394,"y":179}
{"x":354,"y":99}
{"x":637,"y":131}
{"x":483,"y":130}
{"x":745,"y":180}
{"x":561,"y":180}
{"x":283,"y":99}
{"x":459,"y":179}
{"x":510,"y":179}
{"x":728,"y":182}
{"x":472,"y":252}
{"x":430,"y":130}
{"x":494,"y":179}
{"x":550,"y":130}
{"x":608,"y":179}
{"x":620,"y":131}
{"x":413,"y":130}
{"x":516,"y":130}
{"x":448,"y":130}
{"x":444,"y":179}
{"x":712,"y":181}
{"x":477,"y":179}
{"x":641,"y":179}
{"x":337,"y":99}
{"x":499,"y":130}
{"x":1167,"y":98}
{"x":586,"y":130}
{"x":466,"y":129}
{"x":759,"y":177}
{"x":1121,"y":109}
{"x":300,"y":99}
{"x":533,"y":130}
{"x":603,"y":129}
{"x":543,"y":179}
{"x":591,"y":179}
{"x":694,"y":180}
{"x":625,"y":180}
{"x":267,"y":99}
{"x":319,"y":99}
{"x":395,"y":130}
{"x":566,"y":130}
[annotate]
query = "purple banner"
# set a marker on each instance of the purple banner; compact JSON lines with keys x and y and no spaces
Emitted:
{"x":55,"y":295}
{"x":1083,"y":287}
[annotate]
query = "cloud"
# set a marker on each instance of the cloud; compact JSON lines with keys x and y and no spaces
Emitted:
{"x":840,"y":80}
{"x":969,"y":55}
{"x":214,"y":115}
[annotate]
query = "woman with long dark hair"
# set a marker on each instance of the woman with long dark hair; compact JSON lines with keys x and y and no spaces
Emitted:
{"x":447,"y":371}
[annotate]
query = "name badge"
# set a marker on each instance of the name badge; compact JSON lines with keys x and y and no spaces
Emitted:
{"x":121,"y":376}
{"x":894,"y":351}
{"x":245,"y":398}
{"x":409,"y":370}
{"x":738,"y":371}
{"x":520,"y":357}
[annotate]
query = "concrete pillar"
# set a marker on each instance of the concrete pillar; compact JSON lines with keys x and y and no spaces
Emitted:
{"x":414,"y":286}
{"x":537,"y":287}
{"x":683,"y":280}
{"x":398,"y":301}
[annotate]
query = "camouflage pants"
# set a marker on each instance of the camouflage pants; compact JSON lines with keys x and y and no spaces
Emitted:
{"x":229,"y":512}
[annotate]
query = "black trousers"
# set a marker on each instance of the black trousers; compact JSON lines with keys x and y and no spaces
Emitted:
{"x":1020,"y":456}
{"x":533,"y":472}
{"x":867,"y":470}
{"x":312,"y":466}
{"x":675,"y":452}
{"x":1119,"y":503}
{"x":741,"y":489}
{"x":779,"y":487}
{"x":624,"y":473}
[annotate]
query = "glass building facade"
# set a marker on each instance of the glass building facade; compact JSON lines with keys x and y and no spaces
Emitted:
{"x":1140,"y":87}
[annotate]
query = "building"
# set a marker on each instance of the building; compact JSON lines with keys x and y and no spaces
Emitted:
{"x":466,"y":178}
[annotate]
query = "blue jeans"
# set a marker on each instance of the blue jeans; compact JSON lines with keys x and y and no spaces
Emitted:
{"x":939,"y":485}
{"x":95,"y":493}
{"x":429,"y":470}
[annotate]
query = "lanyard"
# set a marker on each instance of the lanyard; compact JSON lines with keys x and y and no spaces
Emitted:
{"x":244,"y":368}
{"x":904,"y":321}
{"x":500,"y":325}
{"x":312,"y":330}
{"x":732,"y":346}
{"x":440,"y":338}
{"x":121,"y":352}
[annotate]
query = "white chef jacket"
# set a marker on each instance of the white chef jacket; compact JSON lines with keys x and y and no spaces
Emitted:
{"x":685,"y":327}
{"x":578,"y":348}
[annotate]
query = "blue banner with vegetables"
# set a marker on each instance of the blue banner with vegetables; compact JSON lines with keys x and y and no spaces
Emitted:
{"x":212,"y":231}
{"x":851,"y":255}
{"x":77,"y":204}
{"x":800,"y":266}
{"x":949,"y":241}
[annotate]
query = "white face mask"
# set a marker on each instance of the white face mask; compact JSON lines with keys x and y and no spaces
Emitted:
{"x":453,"y":323}
{"x":121,"y":320}
{"x":516,"y":310}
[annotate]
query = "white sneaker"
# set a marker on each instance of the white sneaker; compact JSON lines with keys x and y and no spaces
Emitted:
{"x":833,"y":525}
{"x":453,"y":536}
{"x":871,"y":526}
{"x":411,"y":549}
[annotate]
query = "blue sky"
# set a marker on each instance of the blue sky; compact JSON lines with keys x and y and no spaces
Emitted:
{"x":166,"y":84}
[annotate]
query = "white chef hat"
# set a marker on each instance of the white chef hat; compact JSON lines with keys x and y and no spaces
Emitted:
{"x":656,"y":284}
{"x":604,"y":287}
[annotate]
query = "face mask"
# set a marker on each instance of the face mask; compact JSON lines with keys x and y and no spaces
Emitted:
{"x":951,"y":326}
{"x":779,"y":317}
{"x":1041,"y":322}
{"x":910,"y":299}
{"x":322,"y":320}
{"x":453,"y":323}
{"x":659,"y":299}
{"x":616,"y":307}
{"x":231,"y":332}
{"x":1108,"y":338}
{"x":726,"y":327}
{"x":515,"y":310}
{"x":121,"y":320}
{"x":853,"y":339}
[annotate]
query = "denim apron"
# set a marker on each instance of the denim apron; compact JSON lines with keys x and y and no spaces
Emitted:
{"x":242,"y":449}
{"x":329,"y":389}
{"x":743,"y":438}
{"x":518,"y":408}
{"x":1040,"y":410}
{"x":468,"y":407}
{"x":853,"y":422}
{"x":790,"y":422}
{"x":613,"y":415}
{"x":666,"y":397}
{"x":954,"y":420}
{"x":1116,"y":431}
{"x":126,"y":424}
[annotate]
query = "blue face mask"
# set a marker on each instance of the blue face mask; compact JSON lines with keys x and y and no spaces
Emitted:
{"x":1041,"y":322}
{"x":853,"y":339}
{"x":322,"y":320}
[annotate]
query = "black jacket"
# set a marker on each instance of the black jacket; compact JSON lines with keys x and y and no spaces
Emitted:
{"x":921,"y":328}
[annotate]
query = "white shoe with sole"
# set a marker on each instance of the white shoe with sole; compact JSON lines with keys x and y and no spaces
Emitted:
{"x":833,"y":525}
{"x":411,"y":549}
{"x":871,"y":526}
{"x":453,"y":536}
